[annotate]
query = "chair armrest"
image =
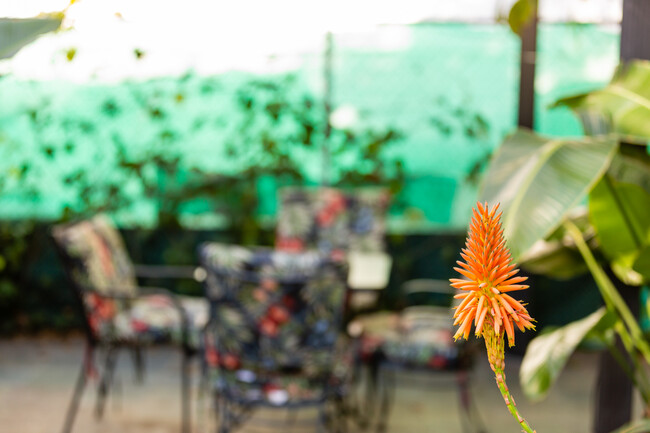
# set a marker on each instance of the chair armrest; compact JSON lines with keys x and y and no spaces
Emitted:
{"x":113,"y":293}
{"x":427,"y":285}
{"x":170,"y":272}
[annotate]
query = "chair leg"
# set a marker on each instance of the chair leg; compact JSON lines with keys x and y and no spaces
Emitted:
{"x":387,"y":397}
{"x":224,"y":415}
{"x":185,"y":392}
{"x":138,"y":363}
{"x":105,"y":384}
{"x":82,"y":379}
{"x":370,"y":403}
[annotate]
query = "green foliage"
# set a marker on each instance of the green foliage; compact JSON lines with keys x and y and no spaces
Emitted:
{"x":638,"y":426}
{"x":623,"y":106}
{"x":521,"y":14}
{"x":620,"y":213}
{"x":16,"y":33}
{"x":557,"y":256}
{"x":547,"y":354}
{"x":538,"y":180}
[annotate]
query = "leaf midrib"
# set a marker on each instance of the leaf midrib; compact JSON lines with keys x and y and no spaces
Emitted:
{"x":552,"y":147}
{"x":621,"y":91}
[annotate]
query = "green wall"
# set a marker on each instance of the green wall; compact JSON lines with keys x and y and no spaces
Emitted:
{"x":449,"y":90}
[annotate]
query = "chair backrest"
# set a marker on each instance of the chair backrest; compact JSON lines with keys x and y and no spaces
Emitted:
{"x":96,"y":263}
{"x":273,"y":311}
{"x":332,"y":220}
{"x":428,"y":291}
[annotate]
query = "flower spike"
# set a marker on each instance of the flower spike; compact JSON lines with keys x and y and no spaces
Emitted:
{"x":487,"y":276}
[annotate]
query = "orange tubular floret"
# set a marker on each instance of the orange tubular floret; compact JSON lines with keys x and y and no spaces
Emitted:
{"x":481,"y":320}
{"x":488,"y":273}
{"x":510,"y":331}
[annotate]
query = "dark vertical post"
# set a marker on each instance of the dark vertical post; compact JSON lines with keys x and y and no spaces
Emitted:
{"x":614,"y":390}
{"x":635,"y":31}
{"x":327,"y":98}
{"x":527,"y":72}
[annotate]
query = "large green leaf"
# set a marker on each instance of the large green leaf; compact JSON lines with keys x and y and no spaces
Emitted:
{"x":557,"y":256}
{"x":538,"y":180}
{"x":547,"y":354}
{"x":624,"y":103}
{"x":620,"y":213}
{"x":631,"y":165}
{"x":16,"y":33}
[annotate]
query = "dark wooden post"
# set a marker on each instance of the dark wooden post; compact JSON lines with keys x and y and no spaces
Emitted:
{"x":635,"y":31}
{"x":614,"y":390}
{"x":527,"y":72}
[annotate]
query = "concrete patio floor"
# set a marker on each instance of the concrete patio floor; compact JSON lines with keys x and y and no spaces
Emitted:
{"x":37,"y":377}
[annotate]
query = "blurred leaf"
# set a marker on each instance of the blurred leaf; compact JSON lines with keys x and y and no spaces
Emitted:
{"x":620,"y":213}
{"x":16,"y":33}
{"x":554,"y":259}
{"x":638,"y":426}
{"x":557,"y":256}
{"x":631,"y":165}
{"x":70,"y":53}
{"x":520,"y":14}
{"x":623,"y":106}
{"x":538,"y":180}
{"x":642,"y":263}
{"x":547,"y":354}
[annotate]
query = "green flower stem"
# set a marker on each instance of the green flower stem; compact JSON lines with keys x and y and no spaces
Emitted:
{"x":609,"y":293}
{"x":510,"y":401}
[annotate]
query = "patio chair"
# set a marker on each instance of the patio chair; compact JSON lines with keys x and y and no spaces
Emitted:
{"x":340,"y":223}
{"x":117,"y":314}
{"x":420,"y":337}
{"x":272,"y":339}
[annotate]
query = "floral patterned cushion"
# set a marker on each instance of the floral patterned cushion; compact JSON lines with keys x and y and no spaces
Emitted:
{"x":155,"y":319}
{"x":284,"y":387}
{"x":101,"y":270}
{"x":97,"y":256}
{"x":275,"y":320}
{"x":416,"y":337}
{"x":332,"y":220}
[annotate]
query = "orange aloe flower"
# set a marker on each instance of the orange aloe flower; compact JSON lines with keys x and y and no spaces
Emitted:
{"x":489,"y":276}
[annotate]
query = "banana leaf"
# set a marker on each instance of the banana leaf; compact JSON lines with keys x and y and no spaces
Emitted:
{"x":557,"y":256}
{"x":641,"y":264}
{"x":548,"y":353}
{"x":16,"y":33}
{"x":538,"y":180}
{"x":620,"y":213}
{"x":623,"y":106}
{"x":631,"y":165}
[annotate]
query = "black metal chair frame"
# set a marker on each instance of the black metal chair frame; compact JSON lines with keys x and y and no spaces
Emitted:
{"x":381,"y":386}
{"x":112,"y":348}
